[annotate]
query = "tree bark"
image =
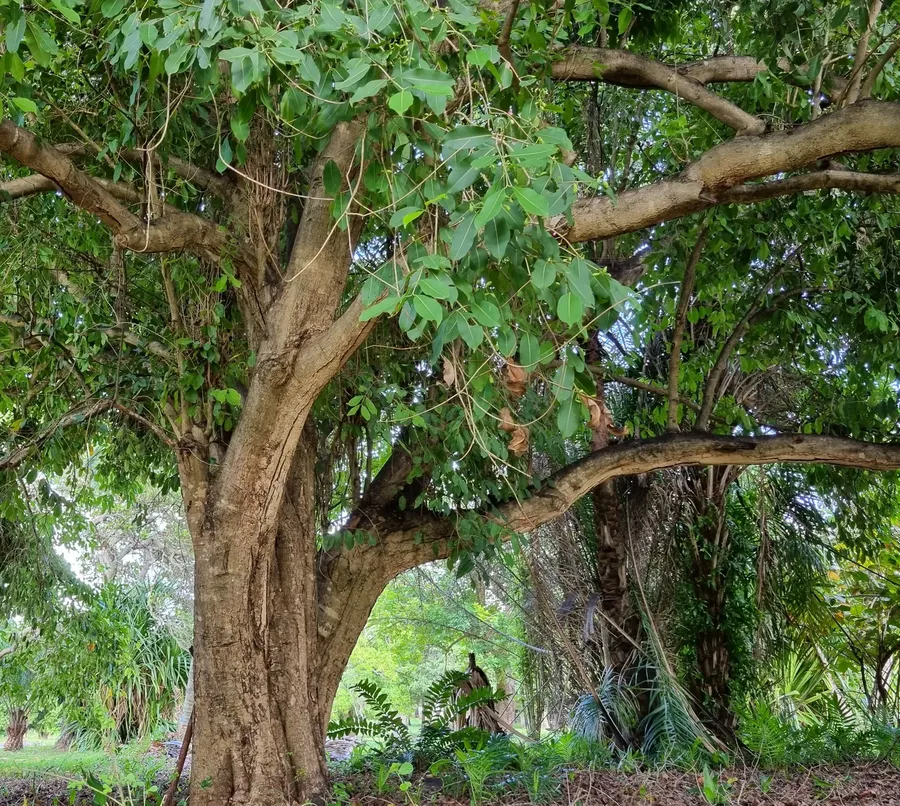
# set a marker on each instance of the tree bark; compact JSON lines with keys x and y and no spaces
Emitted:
{"x":16,"y":729}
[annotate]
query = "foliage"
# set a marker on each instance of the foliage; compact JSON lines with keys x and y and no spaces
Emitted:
{"x":437,"y":738}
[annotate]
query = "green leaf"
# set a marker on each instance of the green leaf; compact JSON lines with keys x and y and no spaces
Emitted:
{"x":544,"y":274}
{"x":436,"y":287}
{"x":427,"y":308}
{"x":15,"y":31}
{"x":491,"y":207}
{"x":471,"y":334}
{"x":532,"y":202}
{"x":207,"y":14}
{"x":401,"y":101}
{"x":25,"y":104}
{"x":568,"y":418}
{"x":496,"y":237}
{"x":283,"y":55}
{"x":625,"y":16}
{"x":570,"y":309}
{"x":368,"y":89}
{"x":357,"y":70}
{"x":578,"y":274}
{"x":529,"y":351}
{"x":429,"y":82}
{"x":331,"y":178}
{"x":486,"y":313}
{"x":388,"y":304}
{"x":463,"y":237}
{"x":233,"y":397}
{"x":112,"y":8}
{"x":465,"y":138}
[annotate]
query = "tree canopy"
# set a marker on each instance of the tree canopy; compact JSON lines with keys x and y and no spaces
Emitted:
{"x":359,"y":279}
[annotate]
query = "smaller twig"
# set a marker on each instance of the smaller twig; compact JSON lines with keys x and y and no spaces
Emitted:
{"x":869,"y":84}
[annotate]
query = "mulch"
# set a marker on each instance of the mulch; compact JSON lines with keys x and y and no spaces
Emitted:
{"x":868,"y":784}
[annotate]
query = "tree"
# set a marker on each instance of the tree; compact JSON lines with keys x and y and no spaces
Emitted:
{"x":231,"y":218}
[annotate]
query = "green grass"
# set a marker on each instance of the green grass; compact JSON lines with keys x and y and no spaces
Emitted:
{"x":41,"y":759}
{"x":45,"y":760}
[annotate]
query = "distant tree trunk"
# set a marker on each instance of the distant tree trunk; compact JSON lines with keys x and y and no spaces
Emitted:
{"x":16,"y":729}
{"x":710,"y":545}
{"x":66,"y":737}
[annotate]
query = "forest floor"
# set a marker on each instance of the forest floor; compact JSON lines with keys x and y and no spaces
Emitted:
{"x":863,"y":783}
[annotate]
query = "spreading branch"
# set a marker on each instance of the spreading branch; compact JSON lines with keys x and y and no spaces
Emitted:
{"x":174,"y":232}
{"x":626,"y":69}
{"x":719,"y":176}
{"x":564,"y":488}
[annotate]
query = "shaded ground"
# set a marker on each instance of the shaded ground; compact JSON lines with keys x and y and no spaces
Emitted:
{"x":867,"y":784}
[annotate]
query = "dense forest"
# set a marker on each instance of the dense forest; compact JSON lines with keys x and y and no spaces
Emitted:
{"x":424,"y":371}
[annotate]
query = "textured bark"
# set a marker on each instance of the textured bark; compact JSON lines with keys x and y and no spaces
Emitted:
{"x":16,"y":729}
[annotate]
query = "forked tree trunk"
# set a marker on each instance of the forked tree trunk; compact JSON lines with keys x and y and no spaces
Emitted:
{"x":267,"y":661}
{"x":16,"y":729}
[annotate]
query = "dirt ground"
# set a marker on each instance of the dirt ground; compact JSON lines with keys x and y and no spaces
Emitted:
{"x":867,"y":784}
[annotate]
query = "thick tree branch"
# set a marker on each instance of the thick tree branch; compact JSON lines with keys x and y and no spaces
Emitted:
{"x":321,"y":256}
{"x":716,"y":177}
{"x":423,"y":537}
{"x":565,"y":487}
{"x":175,"y":231}
{"x":84,"y":192}
{"x":579,"y":65}
{"x":684,"y":300}
{"x":626,"y":69}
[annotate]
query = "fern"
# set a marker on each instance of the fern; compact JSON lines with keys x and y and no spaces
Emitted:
{"x":385,"y":722}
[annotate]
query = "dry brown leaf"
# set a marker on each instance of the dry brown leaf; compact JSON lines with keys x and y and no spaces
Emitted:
{"x":449,"y":373}
{"x":518,"y":445}
{"x":516,"y":378}
{"x":507,"y":421}
{"x":596,"y":411}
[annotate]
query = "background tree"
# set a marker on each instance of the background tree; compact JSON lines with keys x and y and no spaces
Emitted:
{"x":231,"y":218}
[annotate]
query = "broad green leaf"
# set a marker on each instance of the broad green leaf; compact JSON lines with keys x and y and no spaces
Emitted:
{"x":388,"y":304}
{"x":471,"y":334}
{"x":427,"y":308}
{"x":543,"y":274}
{"x":430,"y":82}
{"x":436,"y":287}
{"x":463,"y":237}
{"x":25,"y":104}
{"x":368,"y":89}
{"x":491,"y":207}
{"x":529,"y":351}
{"x":486,"y":313}
{"x":532,"y":202}
{"x":570,"y":308}
{"x":496,"y":237}
{"x":15,"y":31}
{"x":568,"y":418}
{"x":331,"y":178}
{"x":401,"y":101}
{"x":357,"y":70}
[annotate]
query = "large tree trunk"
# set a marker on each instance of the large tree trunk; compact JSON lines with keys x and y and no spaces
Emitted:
{"x":274,"y":628}
{"x":16,"y":729}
